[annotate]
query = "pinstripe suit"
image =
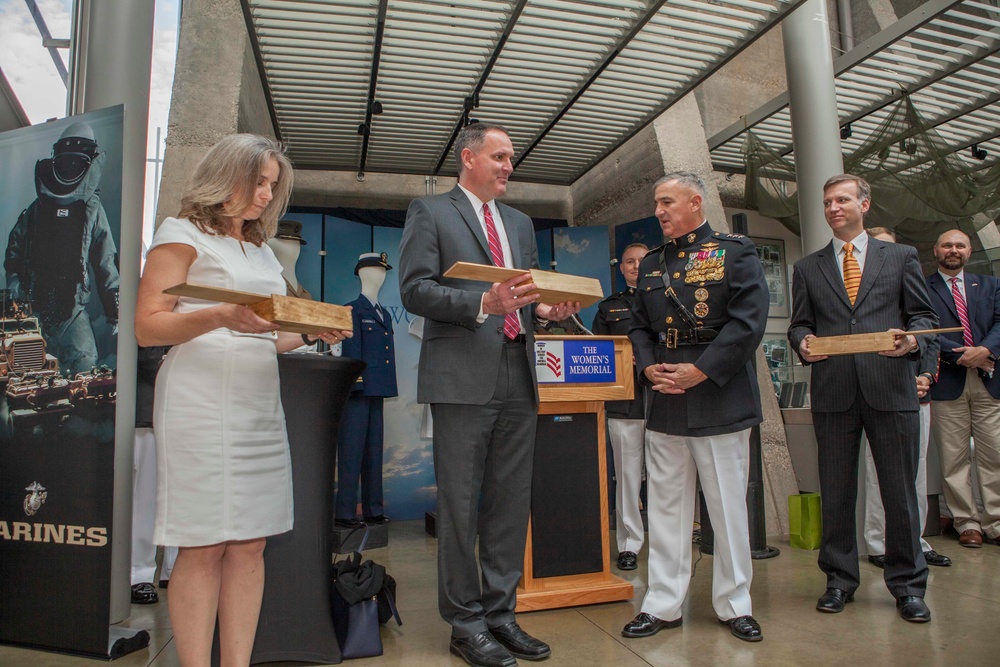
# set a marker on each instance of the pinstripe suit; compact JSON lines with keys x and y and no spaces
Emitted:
{"x":867,"y":392}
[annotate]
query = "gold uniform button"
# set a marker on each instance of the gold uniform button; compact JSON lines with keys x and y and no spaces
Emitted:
{"x":677,"y":275}
{"x":670,"y":320}
{"x":681,"y":254}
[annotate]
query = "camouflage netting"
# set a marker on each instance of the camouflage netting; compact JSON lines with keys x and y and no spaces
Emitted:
{"x":920,"y":187}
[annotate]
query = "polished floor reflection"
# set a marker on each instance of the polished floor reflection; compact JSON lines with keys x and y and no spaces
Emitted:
{"x":964,"y":600}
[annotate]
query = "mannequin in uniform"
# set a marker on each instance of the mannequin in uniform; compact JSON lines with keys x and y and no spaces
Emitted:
{"x":359,"y":454}
{"x":626,"y":419}
{"x":286,"y":244}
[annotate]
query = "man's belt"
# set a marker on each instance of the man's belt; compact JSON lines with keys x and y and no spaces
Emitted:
{"x":674,"y":338}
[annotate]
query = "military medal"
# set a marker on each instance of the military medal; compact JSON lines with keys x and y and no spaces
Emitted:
{"x":701,"y":294}
{"x":701,"y":309}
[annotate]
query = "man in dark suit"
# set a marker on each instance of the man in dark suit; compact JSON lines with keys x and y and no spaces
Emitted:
{"x":858,"y":284}
{"x":966,"y":398}
{"x":477,"y":371}
{"x":698,"y":320}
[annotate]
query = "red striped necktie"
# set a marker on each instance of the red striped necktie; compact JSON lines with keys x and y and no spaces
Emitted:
{"x":963,"y":312}
{"x":511,"y":325}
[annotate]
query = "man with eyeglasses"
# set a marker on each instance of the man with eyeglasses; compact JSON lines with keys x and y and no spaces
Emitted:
{"x":58,"y":239}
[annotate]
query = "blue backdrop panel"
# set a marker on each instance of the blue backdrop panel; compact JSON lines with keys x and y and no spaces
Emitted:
{"x":644,"y":230}
{"x":309,"y":268}
{"x":408,"y":471}
{"x":583,"y":251}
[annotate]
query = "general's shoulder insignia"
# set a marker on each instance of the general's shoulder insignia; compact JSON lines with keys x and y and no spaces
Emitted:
{"x":736,"y":236}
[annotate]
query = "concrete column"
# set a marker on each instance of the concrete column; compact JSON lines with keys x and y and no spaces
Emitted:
{"x":813,"y":104}
{"x":113,"y":53}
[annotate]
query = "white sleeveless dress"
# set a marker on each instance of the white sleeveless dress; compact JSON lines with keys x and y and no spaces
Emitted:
{"x":223,"y":466}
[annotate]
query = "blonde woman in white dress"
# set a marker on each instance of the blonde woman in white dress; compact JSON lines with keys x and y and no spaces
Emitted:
{"x":223,"y":469}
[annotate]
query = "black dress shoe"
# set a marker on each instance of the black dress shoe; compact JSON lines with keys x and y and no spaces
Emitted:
{"x":745,"y":628}
{"x":481,"y":650}
{"x":934,"y":558}
{"x":348,"y":523}
{"x":144,"y":594}
{"x":877,"y":561}
{"x":379,"y":520}
{"x":645,"y":625}
{"x":520,"y":643}
{"x":833,"y":601}
{"x":913,"y":609}
{"x":627,"y":560}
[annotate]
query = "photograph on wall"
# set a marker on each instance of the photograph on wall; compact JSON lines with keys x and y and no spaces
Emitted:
{"x":772,"y":256}
{"x":60,"y":225}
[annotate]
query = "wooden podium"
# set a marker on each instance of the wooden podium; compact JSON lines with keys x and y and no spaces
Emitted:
{"x":566,"y":559}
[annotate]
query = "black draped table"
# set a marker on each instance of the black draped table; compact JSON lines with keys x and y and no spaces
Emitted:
{"x":296,"y":617}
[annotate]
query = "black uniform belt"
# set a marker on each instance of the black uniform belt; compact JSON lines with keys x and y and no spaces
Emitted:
{"x":673,"y":338}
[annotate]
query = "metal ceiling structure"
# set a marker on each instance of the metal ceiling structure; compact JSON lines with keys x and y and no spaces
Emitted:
{"x":385,"y":85}
{"x":945,"y":55}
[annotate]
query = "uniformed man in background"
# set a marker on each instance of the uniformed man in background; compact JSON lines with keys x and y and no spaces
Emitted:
{"x":626,"y":419}
{"x":698,"y":320}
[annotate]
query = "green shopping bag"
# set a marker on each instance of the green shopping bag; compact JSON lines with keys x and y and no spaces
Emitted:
{"x":805,"y":520}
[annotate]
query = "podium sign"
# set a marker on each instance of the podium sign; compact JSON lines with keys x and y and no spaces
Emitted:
{"x":575,"y":361}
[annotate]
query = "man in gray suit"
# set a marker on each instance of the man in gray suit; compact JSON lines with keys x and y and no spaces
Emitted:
{"x":477,"y":372}
{"x":859,"y":284}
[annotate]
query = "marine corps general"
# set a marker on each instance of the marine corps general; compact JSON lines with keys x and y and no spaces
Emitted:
{"x":698,"y":320}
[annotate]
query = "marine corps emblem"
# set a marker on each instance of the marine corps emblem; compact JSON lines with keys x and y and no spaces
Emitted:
{"x":34,"y":500}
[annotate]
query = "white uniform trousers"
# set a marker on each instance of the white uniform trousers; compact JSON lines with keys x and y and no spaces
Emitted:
{"x":975,"y":414}
{"x":874,"y":512}
{"x":627,"y":445}
{"x":144,"y":512}
{"x":722,"y":462}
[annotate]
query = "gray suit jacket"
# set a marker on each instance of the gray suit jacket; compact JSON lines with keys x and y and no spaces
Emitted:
{"x":892,"y":295}
{"x":459,"y":357}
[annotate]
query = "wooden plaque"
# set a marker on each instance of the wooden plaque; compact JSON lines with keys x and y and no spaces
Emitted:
{"x":290,"y":313}
{"x":879,"y":341}
{"x":552,"y":287}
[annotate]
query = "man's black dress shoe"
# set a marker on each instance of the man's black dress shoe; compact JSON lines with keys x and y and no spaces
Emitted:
{"x":627,"y":560}
{"x":645,"y":625}
{"x":833,"y":601}
{"x":144,"y":594}
{"x":377,"y":520}
{"x":481,"y":650}
{"x":520,"y":643}
{"x":348,"y":523}
{"x":877,"y":561}
{"x":745,"y":628}
{"x":934,"y":558}
{"x":913,"y":609}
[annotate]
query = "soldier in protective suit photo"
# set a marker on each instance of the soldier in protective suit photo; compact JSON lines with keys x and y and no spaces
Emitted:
{"x":61,"y":250}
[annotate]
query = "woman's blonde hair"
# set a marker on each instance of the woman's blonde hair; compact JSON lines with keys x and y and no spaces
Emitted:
{"x":230,"y":171}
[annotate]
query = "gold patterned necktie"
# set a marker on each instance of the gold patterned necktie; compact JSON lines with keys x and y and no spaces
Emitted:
{"x":852,"y":273}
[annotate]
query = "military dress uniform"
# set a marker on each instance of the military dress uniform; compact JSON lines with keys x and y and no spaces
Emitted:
{"x":360,"y":444}
{"x":702,"y":300}
{"x":626,"y":429}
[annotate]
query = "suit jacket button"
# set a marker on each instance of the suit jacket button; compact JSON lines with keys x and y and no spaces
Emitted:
{"x":853,"y":321}
{"x":499,"y":329}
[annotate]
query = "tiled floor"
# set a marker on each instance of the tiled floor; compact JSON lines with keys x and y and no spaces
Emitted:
{"x":964,"y":599}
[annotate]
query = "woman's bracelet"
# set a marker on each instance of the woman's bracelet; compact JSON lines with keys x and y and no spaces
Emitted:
{"x":305,"y":339}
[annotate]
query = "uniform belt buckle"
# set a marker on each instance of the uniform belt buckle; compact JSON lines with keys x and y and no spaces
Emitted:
{"x":671,"y":341}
